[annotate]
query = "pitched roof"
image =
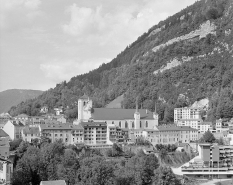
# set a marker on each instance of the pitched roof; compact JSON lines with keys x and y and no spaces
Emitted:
{"x":60,"y":127}
{"x":57,"y":182}
{"x":93,"y":124}
{"x":173,"y":127}
{"x":3,"y":133}
{"x":119,"y":114}
{"x":31,"y":130}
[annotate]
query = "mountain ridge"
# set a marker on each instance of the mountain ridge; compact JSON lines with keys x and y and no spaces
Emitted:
{"x":12,"y":97}
{"x":207,"y":74}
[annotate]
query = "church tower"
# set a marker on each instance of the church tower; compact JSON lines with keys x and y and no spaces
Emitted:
{"x":156,"y":117}
{"x":137,"y":116}
{"x":84,"y":109}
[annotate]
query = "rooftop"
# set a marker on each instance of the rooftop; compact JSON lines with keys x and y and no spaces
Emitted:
{"x":3,"y":133}
{"x":56,"y":182}
{"x":60,"y":127}
{"x":31,"y":130}
{"x":93,"y":124}
{"x":173,"y":127}
{"x":119,"y":114}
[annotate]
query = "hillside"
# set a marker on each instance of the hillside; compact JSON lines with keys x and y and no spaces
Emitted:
{"x":13,"y":97}
{"x":183,"y":59}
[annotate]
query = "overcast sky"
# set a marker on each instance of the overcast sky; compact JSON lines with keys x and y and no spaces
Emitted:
{"x":44,"y":42}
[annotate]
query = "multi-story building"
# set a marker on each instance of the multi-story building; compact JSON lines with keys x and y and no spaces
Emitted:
{"x":4,"y":144}
{"x":96,"y":133}
{"x":6,"y":170}
{"x":115,"y":134}
{"x":30,"y":133}
{"x":123,"y":118}
{"x":189,"y":122}
{"x":68,"y":133}
{"x":214,"y":161}
{"x":186,"y":113}
{"x":171,"y":134}
{"x":14,"y":129}
{"x":204,"y":127}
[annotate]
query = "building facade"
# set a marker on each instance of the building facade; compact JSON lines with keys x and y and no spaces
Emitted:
{"x":171,"y":134}
{"x":214,"y":161}
{"x":122,"y":118}
{"x":186,"y":113}
{"x":14,"y":129}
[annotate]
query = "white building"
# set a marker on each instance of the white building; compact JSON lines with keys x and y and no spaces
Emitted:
{"x":186,"y":113}
{"x":6,"y":170}
{"x":204,"y":127}
{"x":30,"y":133}
{"x":193,"y":123}
{"x":13,"y":128}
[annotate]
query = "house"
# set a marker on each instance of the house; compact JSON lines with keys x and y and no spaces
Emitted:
{"x":204,"y":127}
{"x":13,"y":128}
{"x":6,"y":170}
{"x":5,"y":116}
{"x":184,"y":147}
{"x":56,"y":182}
{"x":44,"y":109}
{"x":123,"y":118}
{"x":4,"y":144}
{"x":30,"y":133}
{"x":58,"y":110}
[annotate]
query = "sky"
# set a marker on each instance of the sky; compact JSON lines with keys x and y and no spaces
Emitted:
{"x":44,"y":42}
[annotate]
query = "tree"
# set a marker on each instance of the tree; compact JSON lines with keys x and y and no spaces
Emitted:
{"x":207,"y":137}
{"x":165,"y":176}
{"x":15,"y":144}
{"x":95,"y":171}
{"x":27,"y":169}
{"x":68,"y":169}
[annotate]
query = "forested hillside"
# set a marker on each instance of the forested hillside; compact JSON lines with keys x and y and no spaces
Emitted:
{"x":13,"y":97}
{"x":187,"y":57}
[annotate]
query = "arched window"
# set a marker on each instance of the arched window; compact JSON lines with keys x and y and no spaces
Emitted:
{"x":126,"y":124}
{"x":140,"y":124}
{"x":119,"y":124}
{"x":146,"y":124}
{"x":132,"y":124}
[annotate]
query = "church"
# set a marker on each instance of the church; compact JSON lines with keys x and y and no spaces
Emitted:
{"x":123,"y":118}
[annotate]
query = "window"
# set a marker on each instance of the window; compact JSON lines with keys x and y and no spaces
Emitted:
{"x":132,"y":124}
{"x":126,"y":124}
{"x":55,"y":135}
{"x":60,"y":134}
{"x":140,"y":124}
{"x":119,"y":124}
{"x":31,"y":134}
{"x":112,"y":122}
{"x":146,"y":124}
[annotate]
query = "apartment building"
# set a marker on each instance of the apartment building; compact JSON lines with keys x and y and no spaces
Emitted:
{"x":204,"y":127}
{"x":186,"y":113}
{"x":68,"y":133}
{"x":6,"y":170}
{"x":171,"y":134}
{"x":96,"y":133}
{"x":214,"y":161}
{"x":30,"y":133}
{"x":193,"y":123}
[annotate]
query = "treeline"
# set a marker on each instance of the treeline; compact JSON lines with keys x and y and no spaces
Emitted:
{"x":131,"y":73}
{"x":84,"y":166}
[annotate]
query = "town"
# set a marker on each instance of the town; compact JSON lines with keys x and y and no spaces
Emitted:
{"x":102,"y":127}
